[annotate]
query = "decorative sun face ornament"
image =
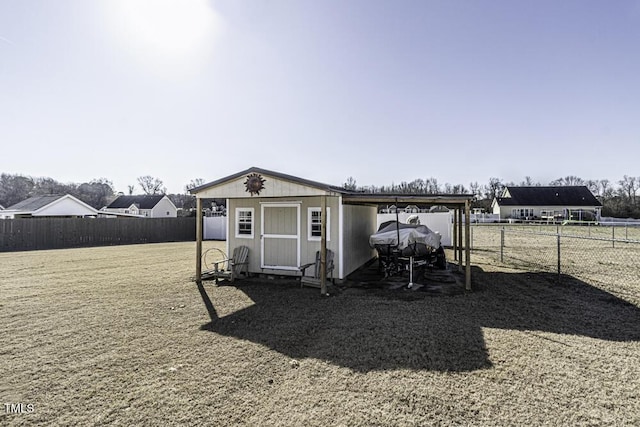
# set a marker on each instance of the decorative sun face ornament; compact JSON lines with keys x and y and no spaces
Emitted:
{"x":254,"y":184}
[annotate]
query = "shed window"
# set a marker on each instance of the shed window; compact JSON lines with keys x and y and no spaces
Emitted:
{"x":314,"y":224}
{"x":244,"y":223}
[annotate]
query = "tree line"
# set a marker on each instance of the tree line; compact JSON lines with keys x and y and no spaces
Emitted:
{"x":619,"y":199}
{"x":97,"y":193}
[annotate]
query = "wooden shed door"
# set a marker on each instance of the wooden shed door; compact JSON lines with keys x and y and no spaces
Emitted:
{"x":280,"y":239}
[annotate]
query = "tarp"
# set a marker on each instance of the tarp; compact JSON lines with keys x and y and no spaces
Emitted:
{"x":409,"y":236}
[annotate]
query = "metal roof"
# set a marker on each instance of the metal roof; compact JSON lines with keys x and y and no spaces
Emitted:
{"x":428,"y":199}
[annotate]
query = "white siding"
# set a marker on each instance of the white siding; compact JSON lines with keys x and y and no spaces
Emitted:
{"x":65,"y":207}
{"x":273,"y":187}
{"x":506,"y":211}
{"x":164,"y":209}
{"x":358,"y":223}
{"x":307,"y":248}
{"x":253,"y":243}
{"x":310,"y":247}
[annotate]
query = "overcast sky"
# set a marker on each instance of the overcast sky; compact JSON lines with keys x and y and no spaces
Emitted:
{"x":383,"y":91}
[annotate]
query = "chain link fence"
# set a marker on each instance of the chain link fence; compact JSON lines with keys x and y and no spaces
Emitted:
{"x":604,"y":256}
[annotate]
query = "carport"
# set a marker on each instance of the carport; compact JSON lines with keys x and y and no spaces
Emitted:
{"x":269,"y":211}
{"x":459,"y":203}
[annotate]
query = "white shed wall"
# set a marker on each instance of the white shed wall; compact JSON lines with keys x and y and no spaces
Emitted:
{"x":308,"y":247}
{"x":358,"y":223}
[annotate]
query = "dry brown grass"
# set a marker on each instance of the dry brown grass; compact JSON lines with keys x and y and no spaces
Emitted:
{"x":119,"y":335}
{"x":614,"y":266}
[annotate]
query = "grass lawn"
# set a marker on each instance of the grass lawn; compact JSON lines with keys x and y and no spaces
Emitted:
{"x":119,"y":335}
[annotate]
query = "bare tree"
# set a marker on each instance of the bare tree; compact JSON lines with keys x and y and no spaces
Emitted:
{"x":568,"y":180}
{"x":193,"y":184}
{"x":431,"y":186}
{"x":44,"y":186}
{"x":417,"y":186}
{"x":629,"y":188}
{"x":403,"y":188}
{"x":529,"y":182}
{"x":593,"y":186}
{"x":350,"y":184}
{"x":14,"y":189}
{"x":130,"y":189}
{"x":474,"y":188}
{"x":458,"y":189}
{"x":606,"y":190}
{"x":151,"y":185}
{"x":494,"y":188}
{"x":97,"y":193}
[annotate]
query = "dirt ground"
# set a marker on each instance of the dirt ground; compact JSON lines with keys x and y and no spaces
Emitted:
{"x":120,"y":335}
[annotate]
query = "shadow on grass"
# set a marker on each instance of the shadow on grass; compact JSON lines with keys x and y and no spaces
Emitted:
{"x":207,"y":302}
{"x":389,"y":330}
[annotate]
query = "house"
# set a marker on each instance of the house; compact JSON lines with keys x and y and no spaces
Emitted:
{"x":281,"y":219}
{"x":547,"y":203}
{"x":151,"y":206}
{"x":49,"y":206}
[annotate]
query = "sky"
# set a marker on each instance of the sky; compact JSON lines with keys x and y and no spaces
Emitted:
{"x":381,"y":91}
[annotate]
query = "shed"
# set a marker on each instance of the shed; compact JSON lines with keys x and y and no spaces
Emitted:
{"x":285,"y":220}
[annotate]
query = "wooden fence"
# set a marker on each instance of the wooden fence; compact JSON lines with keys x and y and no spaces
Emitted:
{"x":57,"y":233}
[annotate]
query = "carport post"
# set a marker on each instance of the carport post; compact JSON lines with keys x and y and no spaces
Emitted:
{"x":198,"y":240}
{"x":467,"y":246}
{"x":455,"y":234}
{"x":502,"y":244}
{"x":460,"y":238}
{"x":559,"y":271}
{"x":323,"y":245}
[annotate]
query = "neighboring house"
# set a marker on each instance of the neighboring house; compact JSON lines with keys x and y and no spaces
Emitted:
{"x":49,"y":206}
{"x":151,"y":206}
{"x":279,"y":217}
{"x":547,"y":203}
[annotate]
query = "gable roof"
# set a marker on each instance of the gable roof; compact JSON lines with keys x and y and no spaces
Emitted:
{"x":142,"y":202}
{"x":233,"y":185}
{"x":34,"y":203}
{"x":578,"y":195}
{"x":282,"y":176}
{"x":51,"y":205}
